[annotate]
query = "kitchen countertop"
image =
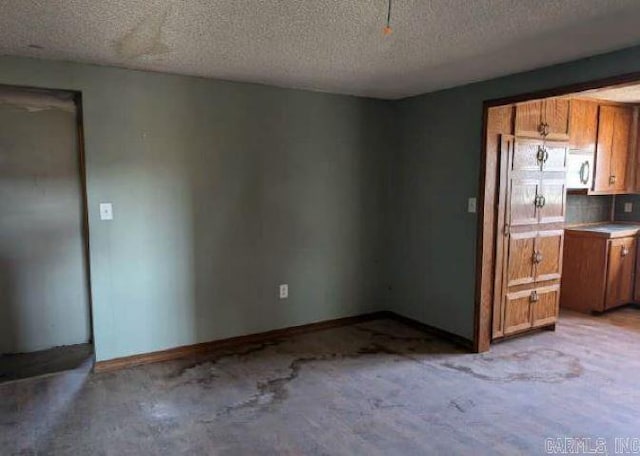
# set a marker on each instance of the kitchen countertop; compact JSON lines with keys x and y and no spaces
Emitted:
{"x":607,"y":230}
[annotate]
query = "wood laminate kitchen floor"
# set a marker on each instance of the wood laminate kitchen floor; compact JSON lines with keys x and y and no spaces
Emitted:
{"x":374,"y":388}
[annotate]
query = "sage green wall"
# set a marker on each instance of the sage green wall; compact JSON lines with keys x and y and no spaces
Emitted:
{"x":437,"y":167}
{"x":222,"y":191}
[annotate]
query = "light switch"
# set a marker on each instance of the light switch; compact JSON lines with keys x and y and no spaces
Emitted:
{"x":628,"y":207}
{"x":471,"y":205}
{"x":106,"y":211}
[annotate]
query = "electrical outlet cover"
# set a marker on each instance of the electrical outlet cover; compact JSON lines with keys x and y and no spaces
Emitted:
{"x":106,"y":211}
{"x":284,"y":291}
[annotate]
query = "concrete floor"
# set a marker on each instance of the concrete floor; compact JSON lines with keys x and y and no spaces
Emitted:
{"x":43,"y":362}
{"x":376,"y":388}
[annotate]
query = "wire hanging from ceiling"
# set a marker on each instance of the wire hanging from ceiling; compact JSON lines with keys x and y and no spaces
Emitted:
{"x":387,"y":30}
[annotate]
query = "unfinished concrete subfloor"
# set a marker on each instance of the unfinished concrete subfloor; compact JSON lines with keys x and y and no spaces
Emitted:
{"x":375,"y":388}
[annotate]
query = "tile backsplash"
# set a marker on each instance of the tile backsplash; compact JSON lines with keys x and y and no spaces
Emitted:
{"x":590,"y":208}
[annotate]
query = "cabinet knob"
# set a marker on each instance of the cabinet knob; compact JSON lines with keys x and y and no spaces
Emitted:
{"x":625,"y":251}
{"x":543,"y":129}
{"x":612,"y":180}
{"x":537,"y":257}
{"x":534,"y":296}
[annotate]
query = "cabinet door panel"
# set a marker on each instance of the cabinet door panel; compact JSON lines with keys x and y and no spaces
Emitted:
{"x":522,"y":197}
{"x":554,"y":192}
{"x":545,"y":310}
{"x":628,"y":272}
{"x":528,"y":156}
{"x":528,"y":118}
{"x":584,"y":124}
{"x":556,"y":115}
{"x":517,"y":312}
{"x":520,"y":266}
{"x":525,"y":155}
{"x":549,"y":251}
{"x":620,"y":272}
{"x":556,"y":157}
{"x":606,"y":119}
{"x":620,"y":147}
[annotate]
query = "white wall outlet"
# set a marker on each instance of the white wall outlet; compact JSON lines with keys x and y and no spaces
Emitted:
{"x":471,"y":205}
{"x":284,"y":291}
{"x":628,"y":207}
{"x":106,"y":211}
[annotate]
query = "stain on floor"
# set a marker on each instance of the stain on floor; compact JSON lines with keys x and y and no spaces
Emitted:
{"x":375,"y":388}
{"x":535,"y":365}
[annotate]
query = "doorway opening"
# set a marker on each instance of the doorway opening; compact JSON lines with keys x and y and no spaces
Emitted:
{"x":558,"y":230}
{"x":45,"y":299}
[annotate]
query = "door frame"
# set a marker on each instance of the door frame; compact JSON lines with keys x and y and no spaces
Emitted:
{"x":76,"y":96}
{"x":487,"y":202}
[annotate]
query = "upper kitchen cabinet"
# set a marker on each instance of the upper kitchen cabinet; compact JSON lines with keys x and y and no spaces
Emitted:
{"x":613,"y":149}
{"x":543,"y":118}
{"x":583,"y":125}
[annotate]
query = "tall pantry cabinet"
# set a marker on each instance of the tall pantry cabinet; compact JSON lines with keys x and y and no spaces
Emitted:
{"x":531,"y":214}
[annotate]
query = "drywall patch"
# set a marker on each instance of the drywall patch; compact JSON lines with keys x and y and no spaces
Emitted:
{"x":145,"y":39}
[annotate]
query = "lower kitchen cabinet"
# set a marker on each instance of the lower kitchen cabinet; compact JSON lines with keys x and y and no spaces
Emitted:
{"x":598,"y":269}
{"x":620,"y":272}
{"x":531,"y":308}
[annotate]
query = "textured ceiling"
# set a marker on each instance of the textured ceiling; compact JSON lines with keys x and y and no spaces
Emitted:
{"x":327,"y":45}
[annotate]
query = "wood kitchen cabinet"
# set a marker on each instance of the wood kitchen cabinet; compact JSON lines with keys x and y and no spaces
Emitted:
{"x":536,"y":188}
{"x":531,"y":211}
{"x":527,"y":309}
{"x":613,"y":151}
{"x":620,"y":272}
{"x":534,"y":257}
{"x":598,"y":268}
{"x":538,"y":118}
{"x":583,"y":125}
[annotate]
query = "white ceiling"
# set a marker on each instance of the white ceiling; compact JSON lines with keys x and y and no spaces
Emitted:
{"x":326,"y":45}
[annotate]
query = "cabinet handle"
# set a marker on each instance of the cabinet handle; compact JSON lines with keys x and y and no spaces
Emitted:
{"x":540,"y":154}
{"x":534,"y":296}
{"x":612,"y":180}
{"x":540,"y":201}
{"x":537,"y":257}
{"x":584,"y":172}
{"x":625,"y":251}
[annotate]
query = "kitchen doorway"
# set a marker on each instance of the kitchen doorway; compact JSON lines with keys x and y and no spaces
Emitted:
{"x":560,"y":172}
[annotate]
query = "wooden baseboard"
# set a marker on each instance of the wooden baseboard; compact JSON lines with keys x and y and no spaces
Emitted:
{"x":460,"y":341}
{"x":189,"y":350}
